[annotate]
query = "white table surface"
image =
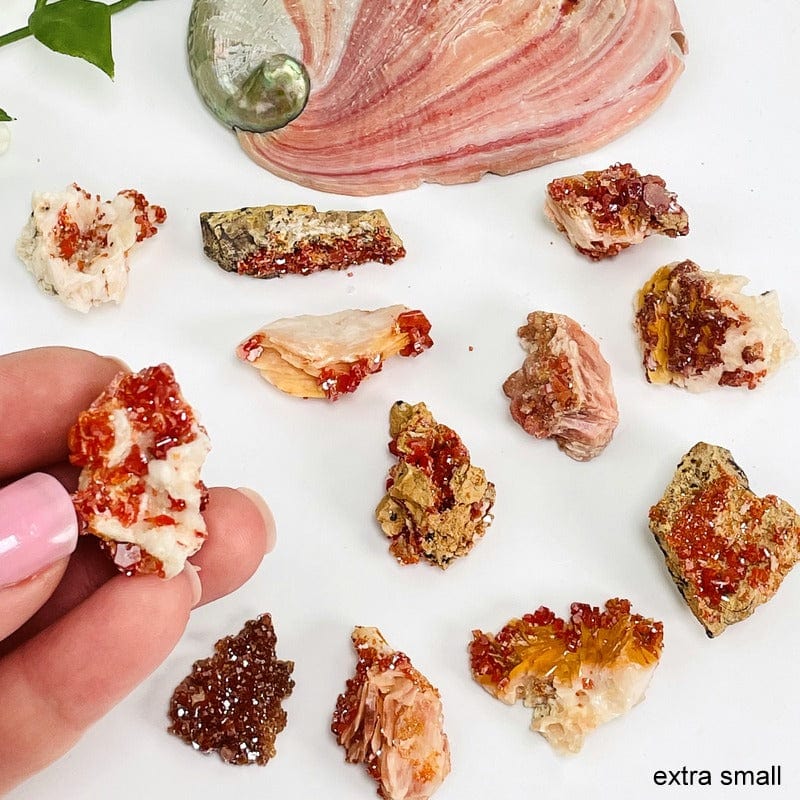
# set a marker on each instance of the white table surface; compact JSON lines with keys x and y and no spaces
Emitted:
{"x":480,"y":257}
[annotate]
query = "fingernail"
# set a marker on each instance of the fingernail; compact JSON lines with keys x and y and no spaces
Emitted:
{"x":119,"y":362}
{"x":193,"y":574}
{"x":269,"y":521}
{"x":37,"y":527}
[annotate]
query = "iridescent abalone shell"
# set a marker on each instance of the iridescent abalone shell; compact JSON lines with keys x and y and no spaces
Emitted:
{"x":245,"y":62}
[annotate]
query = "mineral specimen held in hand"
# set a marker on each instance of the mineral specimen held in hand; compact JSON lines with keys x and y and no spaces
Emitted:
{"x":141,"y":449}
{"x":575,"y":673}
{"x":231,"y":702}
{"x":726,"y":548}
{"x":77,"y":245}
{"x":563,"y":390}
{"x":697,"y":330}
{"x":437,"y":505}
{"x":270,"y":241}
{"x":602,"y":213}
{"x":390,"y":719}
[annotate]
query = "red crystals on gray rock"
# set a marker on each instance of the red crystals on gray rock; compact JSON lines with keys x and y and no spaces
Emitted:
{"x":308,"y":257}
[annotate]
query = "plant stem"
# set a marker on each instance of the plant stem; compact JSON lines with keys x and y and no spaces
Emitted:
{"x":121,"y":5}
{"x":22,"y":33}
{"x":14,"y":36}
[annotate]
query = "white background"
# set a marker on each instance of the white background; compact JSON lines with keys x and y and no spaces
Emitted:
{"x":480,"y":257}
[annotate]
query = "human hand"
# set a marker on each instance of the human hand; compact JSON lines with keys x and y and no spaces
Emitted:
{"x":75,"y":635}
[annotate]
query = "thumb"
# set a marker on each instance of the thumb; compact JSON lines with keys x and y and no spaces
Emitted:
{"x":38,"y":531}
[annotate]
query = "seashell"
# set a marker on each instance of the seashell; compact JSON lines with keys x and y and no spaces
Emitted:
{"x":446,"y":90}
{"x":242,"y":63}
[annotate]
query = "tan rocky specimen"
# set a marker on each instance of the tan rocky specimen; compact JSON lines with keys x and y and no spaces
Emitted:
{"x":726,"y":548}
{"x":437,"y":504}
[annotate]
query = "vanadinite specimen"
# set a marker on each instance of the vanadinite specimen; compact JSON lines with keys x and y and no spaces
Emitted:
{"x":437,"y":505}
{"x":76,"y":245}
{"x":271,"y":241}
{"x":563,"y":390}
{"x":726,"y":548}
{"x":698,"y":330}
{"x":390,"y":719}
{"x":231,"y":703}
{"x":575,"y":673}
{"x":141,"y":449}
{"x":604,"y":212}
{"x":328,"y":356}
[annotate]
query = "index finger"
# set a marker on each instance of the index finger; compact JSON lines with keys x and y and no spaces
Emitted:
{"x":42,"y":391}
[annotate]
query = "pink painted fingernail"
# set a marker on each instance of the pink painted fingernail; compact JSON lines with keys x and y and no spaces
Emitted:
{"x":37,"y":527}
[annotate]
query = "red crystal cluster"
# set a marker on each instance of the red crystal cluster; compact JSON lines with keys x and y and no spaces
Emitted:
{"x":684,"y":325}
{"x":604,"y":212}
{"x":438,"y":452}
{"x":727,"y":549}
{"x":563,"y":390}
{"x":147,"y":216}
{"x":159,"y":419}
{"x":346,"y":377}
{"x":85,"y":244}
{"x":696,"y":321}
{"x":417,"y":327}
{"x":714,"y":565}
{"x":350,"y":705}
{"x":316,"y":254}
{"x":231,"y":702}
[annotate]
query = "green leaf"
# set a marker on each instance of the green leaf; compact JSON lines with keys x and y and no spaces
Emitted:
{"x":4,"y":117}
{"x":80,"y":28}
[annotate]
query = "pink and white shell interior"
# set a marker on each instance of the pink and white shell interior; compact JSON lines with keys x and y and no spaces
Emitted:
{"x":445,"y":92}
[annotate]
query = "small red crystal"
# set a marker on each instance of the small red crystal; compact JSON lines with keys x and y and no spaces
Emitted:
{"x":416,"y":325}
{"x":346,"y":378}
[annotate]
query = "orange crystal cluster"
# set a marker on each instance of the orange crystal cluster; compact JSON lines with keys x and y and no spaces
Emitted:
{"x":575,"y":673}
{"x":698,"y":330}
{"x":543,"y":645}
{"x":682,"y":324}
